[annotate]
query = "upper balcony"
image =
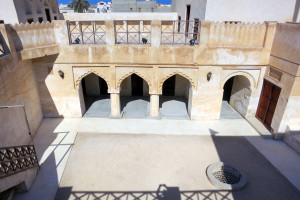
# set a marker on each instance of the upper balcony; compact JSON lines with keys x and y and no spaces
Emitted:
{"x":146,"y":42}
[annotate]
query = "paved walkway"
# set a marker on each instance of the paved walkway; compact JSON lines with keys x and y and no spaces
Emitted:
{"x":227,"y":112}
{"x":53,"y":143}
{"x":55,"y":139}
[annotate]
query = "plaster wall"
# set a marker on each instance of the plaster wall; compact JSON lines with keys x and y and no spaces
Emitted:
{"x":154,"y":63}
{"x":16,"y":11}
{"x":291,"y":115}
{"x":59,"y":97}
{"x":8,"y":12}
{"x":182,"y":86}
{"x":126,"y":88}
{"x":286,"y":44}
{"x":285,"y":60}
{"x":92,"y":85}
{"x":240,"y":94}
{"x":250,"y":11}
{"x":198,"y":8}
{"x":145,"y":88}
{"x":18,"y":87}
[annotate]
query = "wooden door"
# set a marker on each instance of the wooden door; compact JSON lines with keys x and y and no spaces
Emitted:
{"x":267,"y":103}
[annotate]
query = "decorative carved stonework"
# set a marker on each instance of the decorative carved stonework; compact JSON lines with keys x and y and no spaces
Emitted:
{"x":90,"y":72}
{"x":17,"y":159}
{"x":130,"y":73}
{"x":275,"y":74}
{"x":172,"y":74}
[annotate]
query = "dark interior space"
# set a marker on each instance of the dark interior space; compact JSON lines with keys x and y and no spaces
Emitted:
{"x":169,"y":87}
{"x":227,"y":89}
{"x":89,"y":98}
{"x":48,"y":15}
{"x":137,"y":85}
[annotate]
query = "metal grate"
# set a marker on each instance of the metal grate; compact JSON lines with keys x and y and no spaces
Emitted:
{"x":180,"y":32}
{"x":133,"y":32}
{"x":17,"y":159}
{"x":227,"y":174}
{"x":87,"y":32}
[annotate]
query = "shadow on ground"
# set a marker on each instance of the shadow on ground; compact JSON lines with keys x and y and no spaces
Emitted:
{"x":170,"y":193}
{"x":134,"y":162}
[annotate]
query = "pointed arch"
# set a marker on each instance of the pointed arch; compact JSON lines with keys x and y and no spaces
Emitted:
{"x":245,"y":74}
{"x":172,"y":74}
{"x":129,"y":74}
{"x":86,"y":74}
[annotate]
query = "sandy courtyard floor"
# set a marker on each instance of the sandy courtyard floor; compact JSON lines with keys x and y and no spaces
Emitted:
{"x":125,"y":166}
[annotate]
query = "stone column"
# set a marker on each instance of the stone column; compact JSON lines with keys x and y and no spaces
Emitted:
{"x":115,"y":105}
{"x":154,"y":105}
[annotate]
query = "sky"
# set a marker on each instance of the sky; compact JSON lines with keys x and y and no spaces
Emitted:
{"x":96,"y":1}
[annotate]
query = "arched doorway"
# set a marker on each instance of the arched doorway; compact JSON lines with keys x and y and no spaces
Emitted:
{"x":236,"y":97}
{"x":96,"y":97}
{"x":134,"y":97}
{"x":175,"y":101}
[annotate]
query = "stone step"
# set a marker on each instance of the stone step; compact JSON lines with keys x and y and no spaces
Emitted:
{"x":292,"y":137}
{"x":259,"y":127}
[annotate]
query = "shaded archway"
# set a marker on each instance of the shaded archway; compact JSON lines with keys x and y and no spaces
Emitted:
{"x":236,"y":97}
{"x":175,"y":101}
{"x":94,"y":91}
{"x":134,"y":97}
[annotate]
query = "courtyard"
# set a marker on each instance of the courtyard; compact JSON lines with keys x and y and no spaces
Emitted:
{"x":101,"y":158}
{"x":138,"y":106}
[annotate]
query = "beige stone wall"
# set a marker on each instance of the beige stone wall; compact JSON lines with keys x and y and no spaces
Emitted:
{"x":238,"y":35}
{"x":182,"y":86}
{"x":285,"y":60}
{"x":250,"y":11}
{"x":18,"y":88}
{"x":17,"y":11}
{"x":217,"y":52}
{"x":240,"y":94}
{"x":220,"y":51}
{"x":238,"y":10}
{"x":92,"y":85}
{"x":125,"y":89}
{"x":59,"y":97}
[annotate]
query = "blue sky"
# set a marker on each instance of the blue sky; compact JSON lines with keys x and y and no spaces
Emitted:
{"x":96,"y":1}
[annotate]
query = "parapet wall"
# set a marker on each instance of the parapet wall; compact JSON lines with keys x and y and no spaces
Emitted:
{"x":34,"y":35}
{"x":236,"y":34}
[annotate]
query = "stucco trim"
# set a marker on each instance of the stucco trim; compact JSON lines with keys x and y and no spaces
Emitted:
{"x":129,"y":74}
{"x":87,"y":73}
{"x":240,"y":73}
{"x":161,"y":82}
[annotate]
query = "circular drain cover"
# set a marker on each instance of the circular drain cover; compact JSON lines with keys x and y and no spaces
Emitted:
{"x":226,"y":176}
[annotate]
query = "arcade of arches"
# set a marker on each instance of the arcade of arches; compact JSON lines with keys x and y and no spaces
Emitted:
{"x":173,"y":93}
